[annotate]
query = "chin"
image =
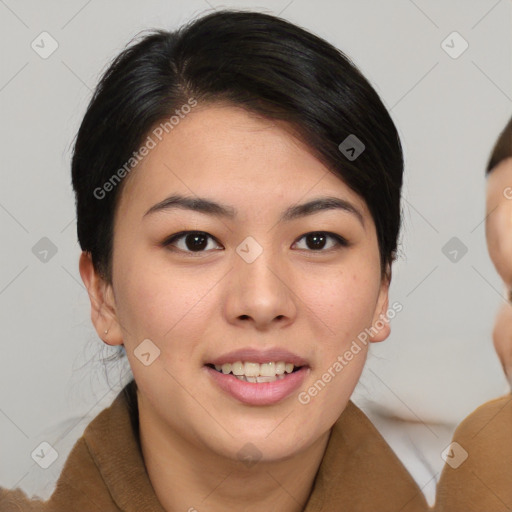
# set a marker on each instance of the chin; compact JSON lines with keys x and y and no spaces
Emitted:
{"x":271,"y":439}
{"x":266,"y":450}
{"x":502,"y":264}
{"x":508,"y":373}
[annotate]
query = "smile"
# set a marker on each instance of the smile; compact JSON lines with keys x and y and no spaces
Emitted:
{"x":257,"y":384}
{"x":255,"y":372}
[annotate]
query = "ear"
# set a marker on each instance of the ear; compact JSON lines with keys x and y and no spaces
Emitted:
{"x":380,"y":328}
{"x":103,"y":308}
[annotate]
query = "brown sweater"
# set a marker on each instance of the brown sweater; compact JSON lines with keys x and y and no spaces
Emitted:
{"x":105,"y":471}
{"x":483,"y":482}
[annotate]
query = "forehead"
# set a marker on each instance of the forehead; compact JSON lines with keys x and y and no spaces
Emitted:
{"x":227,"y":152}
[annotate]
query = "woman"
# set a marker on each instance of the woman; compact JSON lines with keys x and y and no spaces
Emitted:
{"x":238,"y":205}
{"x":479,"y":477}
{"x":499,"y":239}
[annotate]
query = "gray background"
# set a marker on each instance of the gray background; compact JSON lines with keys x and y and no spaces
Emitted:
{"x":439,"y":362}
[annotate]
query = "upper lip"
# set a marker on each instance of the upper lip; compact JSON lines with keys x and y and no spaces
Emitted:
{"x":259,"y":356}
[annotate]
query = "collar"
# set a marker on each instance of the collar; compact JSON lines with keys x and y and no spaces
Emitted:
{"x":359,"y":470}
{"x":114,"y":445}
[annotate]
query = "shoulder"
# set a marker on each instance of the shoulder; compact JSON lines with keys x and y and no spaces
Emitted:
{"x":489,"y":423}
{"x":18,"y":501}
{"x":356,"y":451}
{"x":81,"y":485}
{"x":478,"y":477}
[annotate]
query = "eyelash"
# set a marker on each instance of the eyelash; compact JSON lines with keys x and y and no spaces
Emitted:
{"x":340,"y":242}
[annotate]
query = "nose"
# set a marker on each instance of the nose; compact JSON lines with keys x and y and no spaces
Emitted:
{"x":260,"y":293}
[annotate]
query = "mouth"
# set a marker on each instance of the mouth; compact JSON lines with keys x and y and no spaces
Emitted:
{"x":253,"y":372}
{"x":256,"y":377}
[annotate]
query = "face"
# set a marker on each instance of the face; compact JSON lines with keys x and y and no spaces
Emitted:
{"x":498,"y":230}
{"x":250,"y":283}
{"x":502,"y":337}
{"x":498,"y":224}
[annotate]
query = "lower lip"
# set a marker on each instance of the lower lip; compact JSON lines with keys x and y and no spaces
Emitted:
{"x":259,"y":393}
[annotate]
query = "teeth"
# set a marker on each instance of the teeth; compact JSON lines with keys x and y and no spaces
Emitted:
{"x":259,"y":379}
{"x":237,"y":368}
{"x":280,"y":368}
{"x":264,"y":378}
{"x":252,"y":369}
{"x":255,"y":372}
{"x":268,"y":369}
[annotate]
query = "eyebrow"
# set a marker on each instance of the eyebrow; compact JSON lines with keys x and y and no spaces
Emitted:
{"x":209,"y":207}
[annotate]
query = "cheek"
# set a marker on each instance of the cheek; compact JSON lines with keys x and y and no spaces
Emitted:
{"x":502,"y":335}
{"x":344,"y":301}
{"x":498,"y":230}
{"x":159,"y":303}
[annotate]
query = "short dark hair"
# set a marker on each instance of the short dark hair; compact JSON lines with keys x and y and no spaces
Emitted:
{"x":502,"y":149}
{"x":256,"y":61}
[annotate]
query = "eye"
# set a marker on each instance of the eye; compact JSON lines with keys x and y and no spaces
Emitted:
{"x":189,"y":241}
{"x":316,"y":241}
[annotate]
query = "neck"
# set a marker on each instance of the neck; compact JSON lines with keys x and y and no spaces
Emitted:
{"x":192,"y":478}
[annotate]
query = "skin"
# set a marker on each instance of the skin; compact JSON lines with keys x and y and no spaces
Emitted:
{"x":200,"y":306}
{"x":502,"y":337}
{"x":498,"y":231}
{"x":498,"y":224}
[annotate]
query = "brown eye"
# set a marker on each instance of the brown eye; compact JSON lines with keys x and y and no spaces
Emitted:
{"x":190,"y":241}
{"x":317,"y":241}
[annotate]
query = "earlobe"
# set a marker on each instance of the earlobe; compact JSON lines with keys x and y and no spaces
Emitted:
{"x":103,"y":311}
